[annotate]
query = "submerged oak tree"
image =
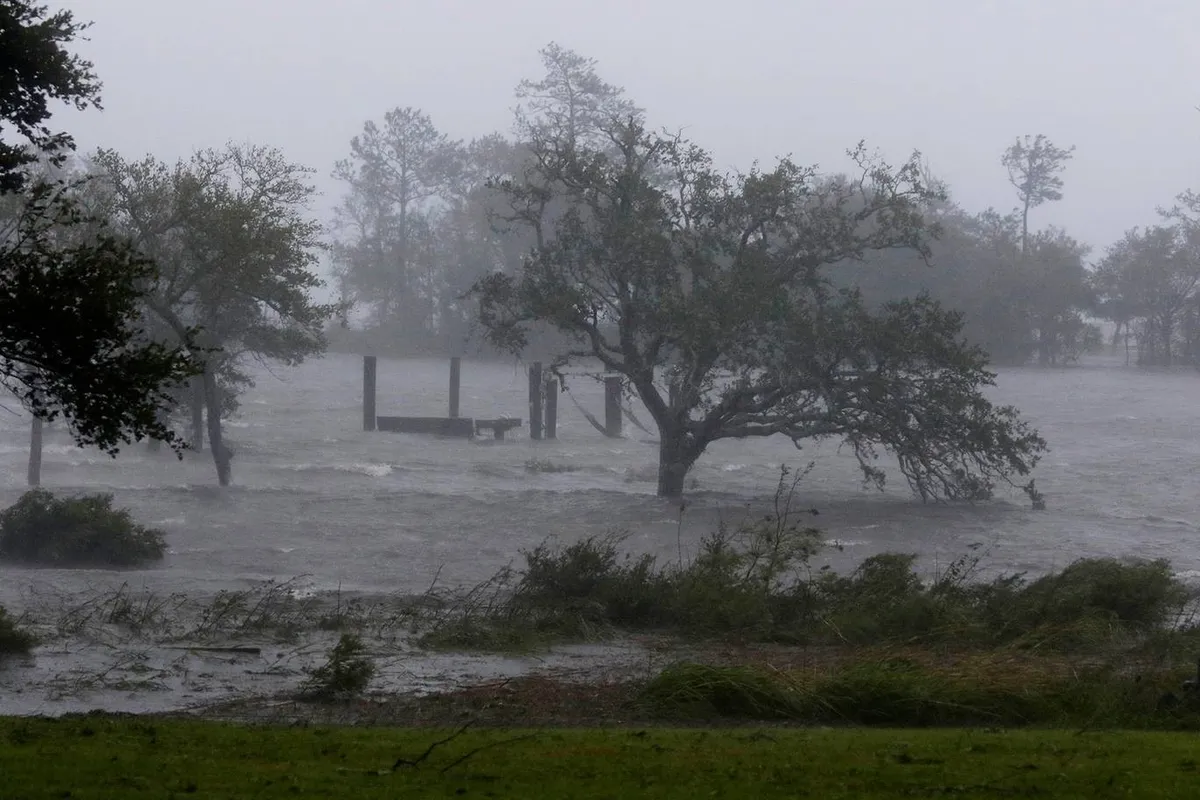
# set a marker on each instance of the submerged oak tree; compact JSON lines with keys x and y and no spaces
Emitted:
{"x":711,"y":295}
{"x":71,"y":342}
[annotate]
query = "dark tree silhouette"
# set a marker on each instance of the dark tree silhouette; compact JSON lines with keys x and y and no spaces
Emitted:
{"x":70,"y":290}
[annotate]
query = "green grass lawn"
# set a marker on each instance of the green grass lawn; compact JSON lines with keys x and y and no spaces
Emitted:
{"x":102,"y":757}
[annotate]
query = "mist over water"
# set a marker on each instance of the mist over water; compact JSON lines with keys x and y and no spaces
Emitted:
{"x":380,"y":513}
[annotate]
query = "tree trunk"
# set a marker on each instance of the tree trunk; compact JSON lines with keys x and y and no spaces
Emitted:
{"x":675,"y":460}
{"x":197,"y":413}
{"x":1168,"y":341}
{"x":34,"y":473}
{"x":1025,"y":228}
{"x":222,"y":456}
{"x":152,"y":444}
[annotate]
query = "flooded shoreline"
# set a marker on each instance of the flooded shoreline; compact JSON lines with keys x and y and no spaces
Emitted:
{"x":370,"y":517}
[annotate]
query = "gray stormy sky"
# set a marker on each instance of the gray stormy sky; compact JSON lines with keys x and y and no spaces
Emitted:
{"x":957,"y":79}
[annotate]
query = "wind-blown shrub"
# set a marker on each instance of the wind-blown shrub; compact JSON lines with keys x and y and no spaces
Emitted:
{"x":13,"y":640}
{"x":754,"y":582}
{"x":41,"y":528}
{"x":347,"y":673}
{"x":752,"y":587}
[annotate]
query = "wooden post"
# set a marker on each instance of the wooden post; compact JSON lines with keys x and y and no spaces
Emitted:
{"x":535,"y":400}
{"x":35,"y":453}
{"x":612,"y":406}
{"x":369,"y":372}
{"x":455,"y":380}
{"x":552,"y":408}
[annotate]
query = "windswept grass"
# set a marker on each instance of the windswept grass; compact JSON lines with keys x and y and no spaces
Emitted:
{"x":104,"y":757}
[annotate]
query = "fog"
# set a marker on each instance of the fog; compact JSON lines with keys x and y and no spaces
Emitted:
{"x":751,"y":80}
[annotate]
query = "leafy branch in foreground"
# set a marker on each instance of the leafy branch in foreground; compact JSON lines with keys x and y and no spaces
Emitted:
{"x":71,"y":343}
{"x":70,"y":339}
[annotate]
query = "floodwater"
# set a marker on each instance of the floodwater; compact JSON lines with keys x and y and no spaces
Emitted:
{"x":381,"y":513}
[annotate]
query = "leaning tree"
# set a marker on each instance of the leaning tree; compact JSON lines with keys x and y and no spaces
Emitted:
{"x":711,"y":294}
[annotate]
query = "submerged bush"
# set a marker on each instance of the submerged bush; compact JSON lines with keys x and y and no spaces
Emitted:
{"x":13,"y":640}
{"x":41,"y":528}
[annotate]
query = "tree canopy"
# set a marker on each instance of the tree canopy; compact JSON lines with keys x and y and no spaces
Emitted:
{"x":711,"y":294}
{"x":237,"y":252}
{"x":71,"y":339}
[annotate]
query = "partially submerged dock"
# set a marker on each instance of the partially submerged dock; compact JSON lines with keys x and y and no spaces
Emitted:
{"x":453,"y":426}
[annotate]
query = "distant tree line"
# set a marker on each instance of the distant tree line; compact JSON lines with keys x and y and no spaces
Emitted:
{"x":421,"y":221}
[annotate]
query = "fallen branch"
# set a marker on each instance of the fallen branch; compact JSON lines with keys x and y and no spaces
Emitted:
{"x":414,"y":763}
{"x":483,"y":747}
{"x":404,"y":762}
{"x":243,"y":650}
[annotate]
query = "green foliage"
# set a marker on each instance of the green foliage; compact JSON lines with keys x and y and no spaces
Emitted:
{"x":237,"y":252}
{"x":13,"y":639}
{"x":1149,"y":285}
{"x":1022,"y":293}
{"x":37,"y":70}
{"x":720,"y":281}
{"x":1033,"y":165}
{"x":754,"y":582}
{"x":1142,"y":594}
{"x":394,"y":173}
{"x":419,"y":225}
{"x":71,"y":343}
{"x":41,"y":528}
{"x":348,"y":672}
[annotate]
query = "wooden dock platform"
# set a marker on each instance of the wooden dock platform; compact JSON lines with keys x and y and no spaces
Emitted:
{"x":450,"y":427}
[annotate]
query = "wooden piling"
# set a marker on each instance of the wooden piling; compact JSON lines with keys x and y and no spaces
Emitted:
{"x":552,"y":408}
{"x":368,"y":401}
{"x":535,"y":400}
{"x":612,"y":406}
{"x":34,"y":476}
{"x":455,"y":380}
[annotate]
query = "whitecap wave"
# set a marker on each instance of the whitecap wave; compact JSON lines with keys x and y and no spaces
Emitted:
{"x":370,"y":469}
